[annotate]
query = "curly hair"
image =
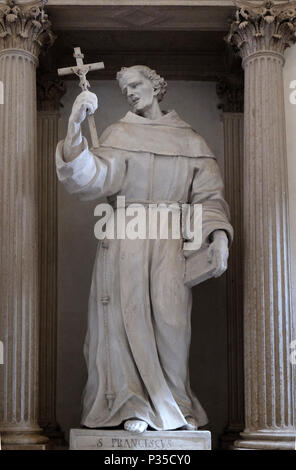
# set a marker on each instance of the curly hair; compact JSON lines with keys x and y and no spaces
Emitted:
{"x":159,"y":83}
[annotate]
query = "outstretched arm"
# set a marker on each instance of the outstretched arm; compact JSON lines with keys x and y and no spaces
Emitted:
{"x":82,"y":173}
{"x":85,"y":103}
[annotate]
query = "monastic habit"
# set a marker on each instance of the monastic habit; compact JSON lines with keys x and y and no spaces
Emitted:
{"x":138,"y":336}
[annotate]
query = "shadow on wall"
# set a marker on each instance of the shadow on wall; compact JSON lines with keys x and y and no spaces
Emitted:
{"x":208,"y":353}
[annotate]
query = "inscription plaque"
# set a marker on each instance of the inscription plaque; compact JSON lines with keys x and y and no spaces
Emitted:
{"x":99,"y":439}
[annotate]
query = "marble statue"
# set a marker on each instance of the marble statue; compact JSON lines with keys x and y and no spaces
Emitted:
{"x":138,"y":336}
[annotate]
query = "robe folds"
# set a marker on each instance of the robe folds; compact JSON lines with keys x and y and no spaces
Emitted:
{"x":138,"y":335}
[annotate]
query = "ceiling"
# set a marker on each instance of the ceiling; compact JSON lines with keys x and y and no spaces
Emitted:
{"x":179,"y":42}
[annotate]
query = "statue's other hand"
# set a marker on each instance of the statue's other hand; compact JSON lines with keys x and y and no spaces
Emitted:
{"x":218,"y":252}
{"x":85,"y":104}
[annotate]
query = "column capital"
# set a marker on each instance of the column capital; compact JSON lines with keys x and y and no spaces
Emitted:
{"x":267,"y":28}
{"x":25,"y":27}
{"x":230,"y":91}
{"x":50,"y":89}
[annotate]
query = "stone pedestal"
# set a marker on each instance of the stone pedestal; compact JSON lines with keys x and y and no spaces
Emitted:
{"x":100,"y":439}
{"x":25,"y":29}
{"x":261,"y":34}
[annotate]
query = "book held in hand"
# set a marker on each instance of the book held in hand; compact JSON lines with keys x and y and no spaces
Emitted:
{"x":198,"y":268}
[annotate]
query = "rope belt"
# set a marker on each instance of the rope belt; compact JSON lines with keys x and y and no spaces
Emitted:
{"x":115,"y":204}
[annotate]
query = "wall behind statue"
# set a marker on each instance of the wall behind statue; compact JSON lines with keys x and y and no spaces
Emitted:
{"x":196,"y":102}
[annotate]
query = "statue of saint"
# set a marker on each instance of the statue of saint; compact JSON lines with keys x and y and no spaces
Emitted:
{"x":138,"y":336}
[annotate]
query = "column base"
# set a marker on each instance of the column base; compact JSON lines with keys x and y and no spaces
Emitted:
{"x":27,"y":447}
{"x":266,"y":440}
{"x":22,"y":437}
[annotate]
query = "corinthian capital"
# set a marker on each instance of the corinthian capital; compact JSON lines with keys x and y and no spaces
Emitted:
{"x":230,"y":91}
{"x":265,"y":27}
{"x":50,"y":89}
{"x":25,"y":26}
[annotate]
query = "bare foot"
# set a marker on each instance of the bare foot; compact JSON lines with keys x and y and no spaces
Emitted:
{"x":135,"y":425}
{"x":191,"y":424}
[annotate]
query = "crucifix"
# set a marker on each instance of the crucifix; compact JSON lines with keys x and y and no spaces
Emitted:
{"x":81,"y":70}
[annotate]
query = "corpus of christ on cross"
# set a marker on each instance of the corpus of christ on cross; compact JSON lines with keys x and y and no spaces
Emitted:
{"x":81,"y":70}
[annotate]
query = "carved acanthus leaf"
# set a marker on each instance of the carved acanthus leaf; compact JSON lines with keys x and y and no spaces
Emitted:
{"x":50,"y":89}
{"x":25,"y":26}
{"x":230,"y":91}
{"x":262,"y":27}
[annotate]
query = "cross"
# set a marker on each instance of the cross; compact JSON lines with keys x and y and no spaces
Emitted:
{"x":81,"y":70}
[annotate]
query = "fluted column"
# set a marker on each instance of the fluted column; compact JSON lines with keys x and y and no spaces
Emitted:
{"x":261,"y":35}
{"x":233,"y":124}
{"x":49,"y":92}
{"x":230,"y":92}
{"x":24,"y":29}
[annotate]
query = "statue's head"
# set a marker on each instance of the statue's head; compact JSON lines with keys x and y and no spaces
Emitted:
{"x":141,"y":85}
